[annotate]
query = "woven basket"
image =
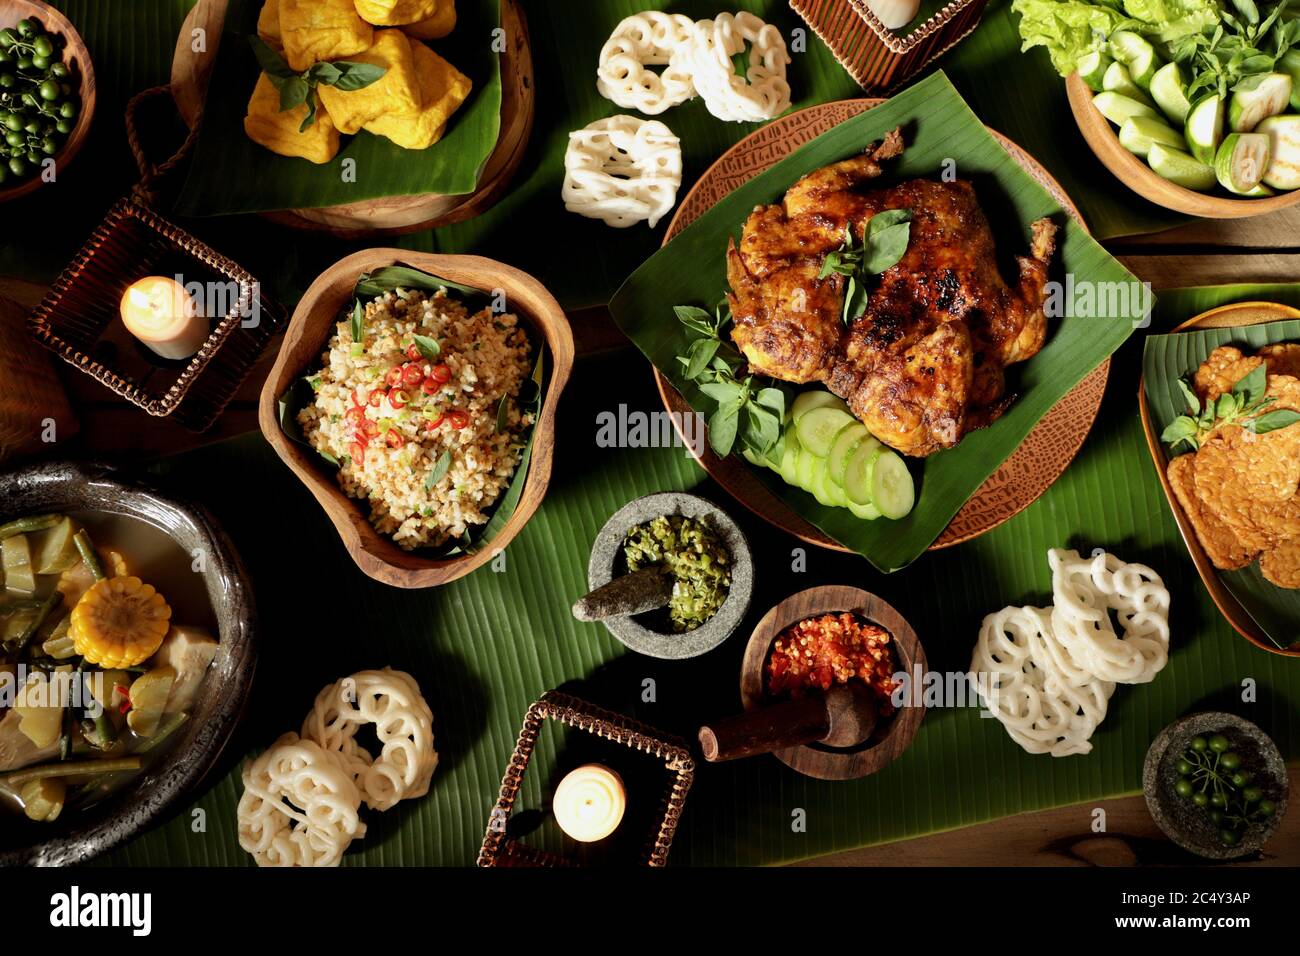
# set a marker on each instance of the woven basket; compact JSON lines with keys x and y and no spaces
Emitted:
{"x":79,"y":318}
{"x":499,"y":850}
{"x":875,"y":56}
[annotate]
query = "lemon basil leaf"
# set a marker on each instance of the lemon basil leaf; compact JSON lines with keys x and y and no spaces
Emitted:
{"x":886,"y":240}
{"x":1272,"y":421}
{"x":1252,"y":386}
{"x":722,"y":428}
{"x":1181,"y":429}
{"x":354,"y":76}
{"x":358,"y":321}
{"x":438,"y":471}
{"x":311,"y":112}
{"x":701,"y":354}
{"x":1190,"y":396}
{"x":272,"y":63}
{"x":429,"y":347}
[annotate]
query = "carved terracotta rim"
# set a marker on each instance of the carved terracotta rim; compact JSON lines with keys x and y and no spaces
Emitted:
{"x":1018,"y":482}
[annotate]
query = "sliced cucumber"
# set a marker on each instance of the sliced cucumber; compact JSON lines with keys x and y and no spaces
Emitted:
{"x":817,"y":483}
{"x":817,"y":429}
{"x":1204,"y":130}
{"x":1140,"y":133}
{"x":804,"y":469}
{"x":1138,"y":56}
{"x":827,"y":491}
{"x":1117,"y":79}
{"x":789,"y":459}
{"x":1180,"y":168}
{"x":1241,"y":161}
{"x":1290,"y":63}
{"x":846,"y":442}
{"x":1256,"y":98}
{"x":857,"y":476}
{"x":1283,"y":134}
{"x":1117,"y":107}
{"x":892,"y":489}
{"x":1169,"y":90}
{"x":1092,"y":67}
{"x":805,"y":402}
{"x":865,"y":512}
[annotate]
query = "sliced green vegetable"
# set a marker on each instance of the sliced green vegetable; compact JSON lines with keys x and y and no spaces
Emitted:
{"x":1180,"y":168}
{"x":805,"y":402}
{"x":56,"y":552}
{"x":1138,"y":56}
{"x":1092,"y":68}
{"x":1204,"y":131}
{"x":1117,"y":107}
{"x":817,"y":429}
{"x":1169,"y":90}
{"x":1241,"y":161}
{"x":845,"y":444}
{"x":1140,"y":133}
{"x":1117,"y":79}
{"x":1256,"y":98}
{"x":892,"y":488}
{"x":16,"y":554}
{"x":1283,"y":134}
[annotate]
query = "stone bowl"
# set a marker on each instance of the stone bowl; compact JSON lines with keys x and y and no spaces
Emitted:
{"x":78,"y":835}
{"x":634,"y":630}
{"x":1190,"y":826}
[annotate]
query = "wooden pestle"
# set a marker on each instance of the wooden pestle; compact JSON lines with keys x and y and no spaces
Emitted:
{"x":844,"y":717}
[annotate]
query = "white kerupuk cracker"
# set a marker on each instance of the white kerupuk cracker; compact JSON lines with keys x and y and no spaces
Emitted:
{"x":763,"y":93}
{"x":640,"y":41}
{"x":622,"y":170}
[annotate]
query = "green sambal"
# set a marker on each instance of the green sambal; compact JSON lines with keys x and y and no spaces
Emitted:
{"x":693,"y":555}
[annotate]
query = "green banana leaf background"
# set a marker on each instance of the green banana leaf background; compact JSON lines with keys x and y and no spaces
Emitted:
{"x":1168,"y":358}
{"x":939,"y":128}
{"x":484,"y":647}
{"x":131,"y":44}
{"x":450,"y":166}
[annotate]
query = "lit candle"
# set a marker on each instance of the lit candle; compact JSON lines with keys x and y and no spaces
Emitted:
{"x":161,"y":314}
{"x":589,"y":803}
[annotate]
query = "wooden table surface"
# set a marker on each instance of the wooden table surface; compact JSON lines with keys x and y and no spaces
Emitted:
{"x":1205,"y":252}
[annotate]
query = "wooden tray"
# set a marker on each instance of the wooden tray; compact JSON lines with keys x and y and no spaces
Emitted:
{"x":1139,"y":177}
{"x":1235,"y":316}
{"x":388,"y":215}
{"x":1046,"y":451}
{"x":76,"y":55}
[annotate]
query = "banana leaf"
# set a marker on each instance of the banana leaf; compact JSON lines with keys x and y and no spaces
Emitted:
{"x":232,"y":174}
{"x":1166,"y":359}
{"x":939,"y":128}
{"x":485,"y":647}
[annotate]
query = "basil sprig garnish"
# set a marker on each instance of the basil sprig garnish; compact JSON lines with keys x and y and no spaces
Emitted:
{"x":299,"y":88}
{"x":882,"y":246}
{"x":1246,"y":405}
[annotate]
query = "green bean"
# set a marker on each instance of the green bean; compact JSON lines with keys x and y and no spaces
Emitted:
{"x":170,"y":724}
{"x":42,"y":612}
{"x":87,"y":549}
{"x":28,"y":524}
{"x":98,"y":731}
{"x":77,"y":768}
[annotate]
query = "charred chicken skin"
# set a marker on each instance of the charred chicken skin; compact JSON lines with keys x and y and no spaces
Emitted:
{"x":924,"y":363}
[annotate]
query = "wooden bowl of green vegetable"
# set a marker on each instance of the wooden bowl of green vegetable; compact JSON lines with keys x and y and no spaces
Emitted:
{"x":47,"y":95}
{"x":86,"y":769}
{"x":1189,"y":133}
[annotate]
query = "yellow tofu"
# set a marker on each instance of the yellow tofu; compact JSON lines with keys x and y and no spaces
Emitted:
{"x":278,"y":131}
{"x":443,"y":88}
{"x":268,"y":24}
{"x":394,"y":13}
{"x":437,"y":26}
{"x":316,"y":30}
{"x":395,"y":92}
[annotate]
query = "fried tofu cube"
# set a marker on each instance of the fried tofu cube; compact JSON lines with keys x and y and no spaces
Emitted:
{"x":397,"y":91}
{"x":394,"y":13}
{"x":443,"y":88}
{"x":316,"y":30}
{"x":436,"y":26}
{"x":268,"y":24}
{"x":278,"y":131}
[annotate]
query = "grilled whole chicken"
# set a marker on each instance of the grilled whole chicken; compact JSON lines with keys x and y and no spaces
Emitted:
{"x":924,"y":364}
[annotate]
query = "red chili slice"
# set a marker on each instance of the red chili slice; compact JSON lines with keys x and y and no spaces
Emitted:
{"x":358,"y":451}
{"x":370,"y":427}
{"x":395,"y":439}
{"x":459,"y":419}
{"x":412,"y":375}
{"x":356,"y":398}
{"x":413,"y":352}
{"x":440,"y":373}
{"x":398,"y":398}
{"x":430,"y":387}
{"x":394,"y":376}
{"x":377,"y":397}
{"x":431,"y":425}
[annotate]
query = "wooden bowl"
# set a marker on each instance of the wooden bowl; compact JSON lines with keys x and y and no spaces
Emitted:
{"x":1134,"y":173}
{"x":892,"y":737}
{"x":307,"y":337}
{"x":1235,"y":316}
{"x":77,"y":56}
{"x":79,"y":486}
{"x":388,"y":215}
{"x":1041,"y":458}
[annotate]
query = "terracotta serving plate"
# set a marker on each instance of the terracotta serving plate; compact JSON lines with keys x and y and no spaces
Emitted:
{"x":77,"y":56}
{"x":389,"y":215}
{"x":883,"y":747}
{"x":1235,"y":316}
{"x":1134,"y":173}
{"x":307,"y":338}
{"x":1041,"y":458}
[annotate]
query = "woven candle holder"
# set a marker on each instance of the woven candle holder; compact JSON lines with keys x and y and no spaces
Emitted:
{"x":80,"y":321}
{"x":878,"y":58}
{"x":500,"y":850}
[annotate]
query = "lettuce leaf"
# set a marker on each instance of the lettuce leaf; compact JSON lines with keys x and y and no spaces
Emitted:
{"x":1068,"y":29}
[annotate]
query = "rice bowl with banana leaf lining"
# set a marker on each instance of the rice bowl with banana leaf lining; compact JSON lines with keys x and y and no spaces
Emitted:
{"x":418,"y":402}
